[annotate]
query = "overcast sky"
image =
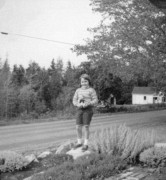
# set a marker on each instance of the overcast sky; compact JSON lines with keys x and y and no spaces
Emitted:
{"x":59,"y":20}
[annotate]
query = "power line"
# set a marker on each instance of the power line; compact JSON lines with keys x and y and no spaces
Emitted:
{"x":60,"y":42}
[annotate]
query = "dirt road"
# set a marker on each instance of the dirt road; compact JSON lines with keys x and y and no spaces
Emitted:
{"x":40,"y":135}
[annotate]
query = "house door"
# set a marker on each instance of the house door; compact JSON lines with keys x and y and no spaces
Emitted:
{"x":154,"y":100}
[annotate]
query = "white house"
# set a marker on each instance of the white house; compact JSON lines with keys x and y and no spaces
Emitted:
{"x":147,"y":95}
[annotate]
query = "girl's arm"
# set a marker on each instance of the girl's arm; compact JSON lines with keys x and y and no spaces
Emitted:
{"x":75,"y":98}
{"x":94,"y":99}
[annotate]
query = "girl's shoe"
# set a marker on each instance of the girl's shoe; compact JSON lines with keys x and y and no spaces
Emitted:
{"x":77,"y":146}
{"x":85,"y":148}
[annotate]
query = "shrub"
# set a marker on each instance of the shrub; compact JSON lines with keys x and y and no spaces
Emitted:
{"x":62,"y":172}
{"x":100,"y":165}
{"x":154,"y":156}
{"x":40,"y":107}
{"x":85,"y":168}
{"x":12,"y":161}
{"x":121,"y":140}
{"x":56,"y":159}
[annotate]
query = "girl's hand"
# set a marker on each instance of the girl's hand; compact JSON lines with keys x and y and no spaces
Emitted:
{"x":86,"y":104}
{"x":80,"y":105}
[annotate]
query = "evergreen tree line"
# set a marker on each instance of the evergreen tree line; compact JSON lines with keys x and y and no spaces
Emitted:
{"x":36,"y":90}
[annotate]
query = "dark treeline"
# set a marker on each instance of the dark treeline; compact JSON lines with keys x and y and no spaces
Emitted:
{"x":127,"y":49}
{"x":34,"y":91}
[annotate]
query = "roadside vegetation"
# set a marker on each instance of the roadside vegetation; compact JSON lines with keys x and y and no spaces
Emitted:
{"x":130,"y":108}
{"x":114,"y":149}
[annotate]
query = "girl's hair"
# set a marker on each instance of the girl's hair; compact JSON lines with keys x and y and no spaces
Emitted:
{"x":87,"y":77}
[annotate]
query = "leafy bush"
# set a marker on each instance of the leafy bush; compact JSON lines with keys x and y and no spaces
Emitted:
{"x":62,"y":172}
{"x":85,"y":168}
{"x":154,"y":157}
{"x":121,"y":140}
{"x":40,"y":107}
{"x":12,"y":161}
{"x":56,"y":159}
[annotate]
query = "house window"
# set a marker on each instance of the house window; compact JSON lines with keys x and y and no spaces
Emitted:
{"x":144,"y":97}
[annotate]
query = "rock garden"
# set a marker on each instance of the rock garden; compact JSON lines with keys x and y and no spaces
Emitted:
{"x":115,"y":153}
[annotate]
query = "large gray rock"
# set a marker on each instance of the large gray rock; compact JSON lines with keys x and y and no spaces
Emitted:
{"x":65,"y":147}
{"x":76,"y":153}
{"x":44,"y":154}
{"x":31,"y":158}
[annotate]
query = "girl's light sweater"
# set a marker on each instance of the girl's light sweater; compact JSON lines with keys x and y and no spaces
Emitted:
{"x":88,"y":95}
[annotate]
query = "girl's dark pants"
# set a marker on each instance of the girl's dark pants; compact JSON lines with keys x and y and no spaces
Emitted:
{"x":84,"y":116}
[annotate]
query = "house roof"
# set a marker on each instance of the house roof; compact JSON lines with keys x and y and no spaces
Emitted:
{"x":143,"y":90}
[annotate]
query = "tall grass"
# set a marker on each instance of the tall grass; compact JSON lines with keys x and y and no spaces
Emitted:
{"x":122,"y":140}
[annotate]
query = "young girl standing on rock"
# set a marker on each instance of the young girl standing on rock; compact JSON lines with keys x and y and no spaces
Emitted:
{"x":84,"y":99}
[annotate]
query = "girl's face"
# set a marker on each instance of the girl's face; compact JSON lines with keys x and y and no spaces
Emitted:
{"x":84,"y":83}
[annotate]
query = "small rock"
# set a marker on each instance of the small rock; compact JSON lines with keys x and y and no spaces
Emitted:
{"x":44,"y":154}
{"x":64,"y":148}
{"x":124,"y":175}
{"x":31,"y":158}
{"x":130,"y":169}
{"x":28,"y":178}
